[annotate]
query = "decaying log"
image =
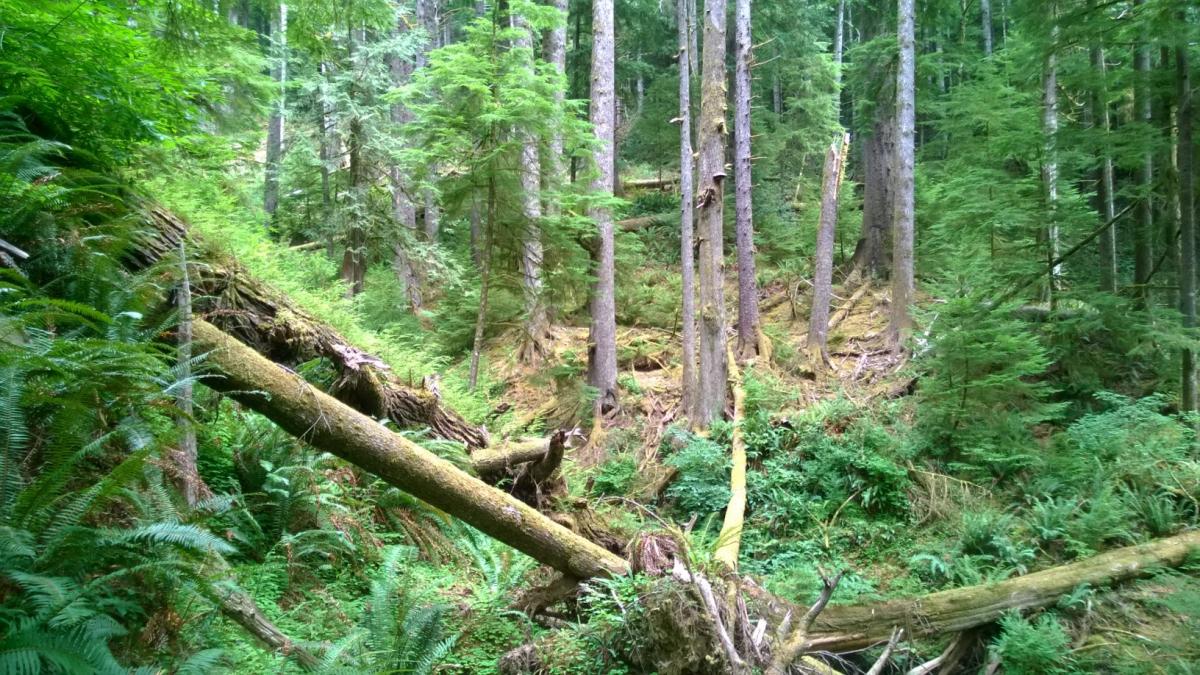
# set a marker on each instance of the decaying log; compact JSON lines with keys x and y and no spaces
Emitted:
{"x":650,"y":183}
{"x":240,"y":608}
{"x":227,"y":295}
{"x":643,"y":222}
{"x":329,"y":425}
{"x":729,"y":541}
{"x":497,"y":460}
{"x":850,"y":627}
{"x":846,"y":308}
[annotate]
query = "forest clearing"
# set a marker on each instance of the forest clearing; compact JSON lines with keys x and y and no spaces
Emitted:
{"x":839,"y":337}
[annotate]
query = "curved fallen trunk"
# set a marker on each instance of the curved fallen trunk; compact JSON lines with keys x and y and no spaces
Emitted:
{"x":850,"y":627}
{"x":329,"y":425}
{"x":232,"y":299}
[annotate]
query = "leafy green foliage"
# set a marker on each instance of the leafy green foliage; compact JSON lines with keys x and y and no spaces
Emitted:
{"x":1027,"y":647}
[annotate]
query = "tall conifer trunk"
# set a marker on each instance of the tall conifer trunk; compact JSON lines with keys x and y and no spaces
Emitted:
{"x":404,"y":211}
{"x":710,"y":399}
{"x":602,"y":351}
{"x":1187,"y":222}
{"x":687,"y":213}
{"x":985,"y":11}
{"x":1143,"y":249}
{"x":902,"y":250}
{"x":749,"y":331}
{"x":278,"y":114}
{"x":1104,"y":177}
{"x":536,"y":323}
{"x":1050,"y":152}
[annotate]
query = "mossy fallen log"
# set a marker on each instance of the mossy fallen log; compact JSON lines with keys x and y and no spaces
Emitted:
{"x":227,"y":295}
{"x":329,"y":425}
{"x":850,"y":627}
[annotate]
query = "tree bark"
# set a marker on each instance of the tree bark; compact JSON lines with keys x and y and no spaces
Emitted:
{"x":1050,"y":149}
{"x":839,"y":50}
{"x":226,"y":294}
{"x":191,"y":485}
{"x":485,"y":269}
{"x":693,"y":40}
{"x":851,"y":627}
{"x":687,"y":214}
{"x":878,"y":190}
{"x":354,"y":259}
{"x":729,"y":541}
{"x":602,"y":348}
{"x":748,"y":319}
{"x":1104,"y":193}
{"x":1143,"y":248}
{"x":1187,"y":223}
{"x":710,"y":395}
{"x":533,"y":348}
{"x":985,"y":11}
{"x":241,"y":609}
{"x":404,"y":210}
{"x":275,"y":121}
{"x":328,"y":425}
{"x":902,"y":250}
{"x":818,"y":323}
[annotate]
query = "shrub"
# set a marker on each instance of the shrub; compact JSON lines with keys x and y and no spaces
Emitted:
{"x":702,"y":486}
{"x":1041,"y":648}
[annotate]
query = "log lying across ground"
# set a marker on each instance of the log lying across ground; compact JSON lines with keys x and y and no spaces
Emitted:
{"x":850,"y":627}
{"x":231,"y":298}
{"x":329,"y":425}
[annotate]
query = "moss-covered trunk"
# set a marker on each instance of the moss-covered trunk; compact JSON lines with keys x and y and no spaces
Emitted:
{"x":329,"y":425}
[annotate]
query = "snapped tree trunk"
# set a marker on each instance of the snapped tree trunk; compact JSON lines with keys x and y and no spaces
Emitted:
{"x":902,"y":244}
{"x":227,"y":294}
{"x":329,"y":425}
{"x":818,"y":323}
{"x":710,"y":395}
{"x":687,"y":213}
{"x":275,"y":121}
{"x":191,"y":485}
{"x":748,"y":321}
{"x":602,"y":348}
{"x":1143,"y":236}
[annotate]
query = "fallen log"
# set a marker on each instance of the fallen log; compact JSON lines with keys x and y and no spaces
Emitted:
{"x":850,"y":627}
{"x":329,"y":425}
{"x":491,"y":462}
{"x":227,"y":295}
{"x":643,"y":222}
{"x":241,"y":609}
{"x":649,"y":183}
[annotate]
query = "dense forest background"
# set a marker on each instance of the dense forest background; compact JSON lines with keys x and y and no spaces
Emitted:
{"x":598,"y":336}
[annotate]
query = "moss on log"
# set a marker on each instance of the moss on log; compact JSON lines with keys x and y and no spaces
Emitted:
{"x":851,"y":627}
{"x":232,"y":299}
{"x":330,"y":425}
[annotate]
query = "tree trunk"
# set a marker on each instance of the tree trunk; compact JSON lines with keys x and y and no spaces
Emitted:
{"x":693,"y":40}
{"x":710,"y":395}
{"x":729,"y":540}
{"x":902,"y":249}
{"x":818,"y":323}
{"x":1187,"y":223}
{"x":748,"y":321}
{"x":241,"y":609}
{"x":485,"y":268}
{"x":1143,"y":248}
{"x":1104,"y":193}
{"x":537,"y":324}
{"x":687,"y":214}
{"x":191,"y":485}
{"x":839,"y":50}
{"x":328,"y":425}
{"x":328,"y":144}
{"x":275,"y":121}
{"x":428,"y":12}
{"x":403,"y":209}
{"x":878,"y":189}
{"x":602,"y":348}
{"x":985,"y":10}
{"x":845,"y":628}
{"x":266,"y":319}
{"x":354,"y":260}
{"x":1050,"y":159}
